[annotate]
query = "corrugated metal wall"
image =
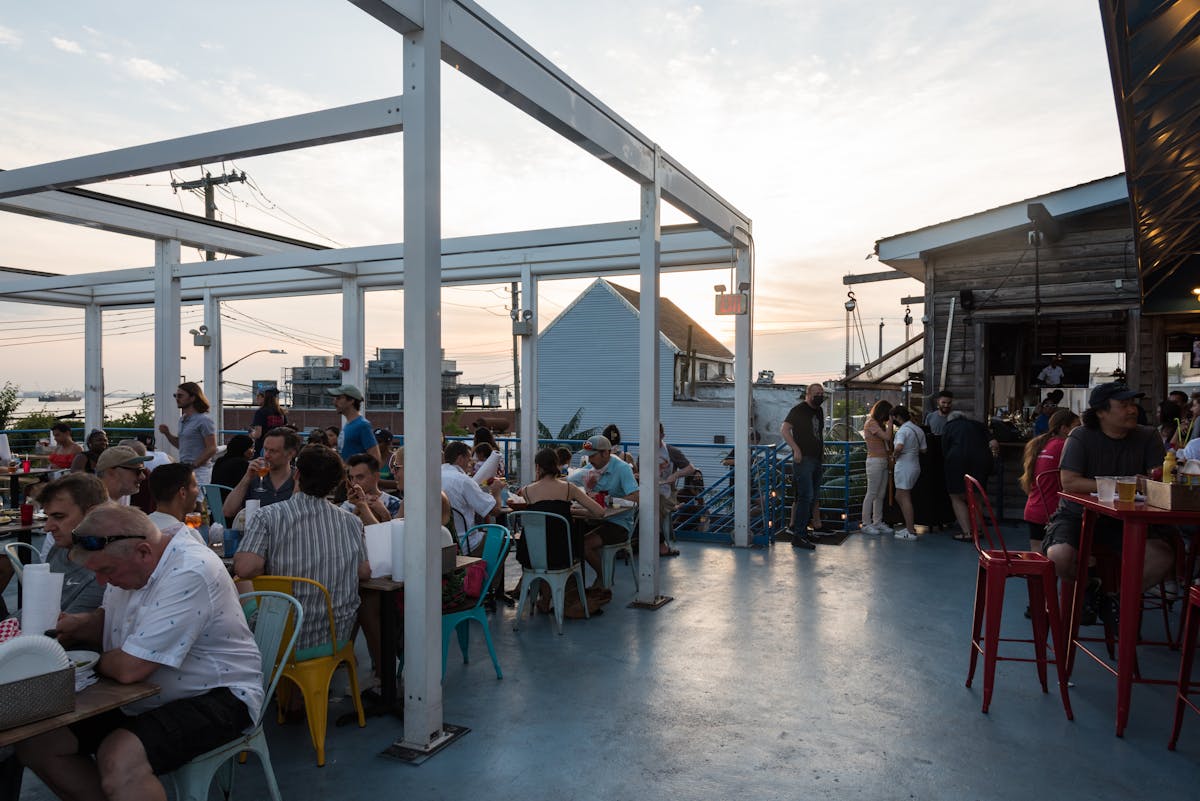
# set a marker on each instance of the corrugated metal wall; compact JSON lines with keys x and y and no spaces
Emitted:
{"x":588,"y":358}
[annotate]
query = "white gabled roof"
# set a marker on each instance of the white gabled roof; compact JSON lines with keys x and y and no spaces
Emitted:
{"x":903,"y":251}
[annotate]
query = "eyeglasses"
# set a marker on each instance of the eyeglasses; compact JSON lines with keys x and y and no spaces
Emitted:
{"x":91,"y":542}
{"x":130,"y":468}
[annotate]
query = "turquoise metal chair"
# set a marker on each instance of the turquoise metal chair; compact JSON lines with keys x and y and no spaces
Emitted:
{"x":608,"y":558}
{"x":13,"y":550}
{"x":497,"y":540}
{"x":535,"y":528}
{"x":276,"y":623}
{"x":212,"y":496}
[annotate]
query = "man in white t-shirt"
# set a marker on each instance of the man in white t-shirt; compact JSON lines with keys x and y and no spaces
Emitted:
{"x":471,"y":504}
{"x":175,"y":492}
{"x":1052,"y":374}
{"x":171,"y":617}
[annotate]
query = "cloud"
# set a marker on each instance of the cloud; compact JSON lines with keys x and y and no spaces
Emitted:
{"x":146,"y":70}
{"x":66,"y":45}
{"x":9,"y":37}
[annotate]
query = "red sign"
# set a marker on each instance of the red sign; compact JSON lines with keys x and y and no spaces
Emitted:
{"x":732,"y":303}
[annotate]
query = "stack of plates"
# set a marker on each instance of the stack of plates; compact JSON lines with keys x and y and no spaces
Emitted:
{"x":85,"y":668}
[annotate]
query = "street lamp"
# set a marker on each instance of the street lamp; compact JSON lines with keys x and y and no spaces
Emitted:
{"x":248,"y":355}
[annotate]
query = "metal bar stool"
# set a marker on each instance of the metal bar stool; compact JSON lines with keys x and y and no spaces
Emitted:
{"x":1190,"y":626}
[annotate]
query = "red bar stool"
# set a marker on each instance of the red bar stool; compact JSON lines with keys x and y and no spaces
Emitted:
{"x":997,"y":564}
{"x":1190,"y":626}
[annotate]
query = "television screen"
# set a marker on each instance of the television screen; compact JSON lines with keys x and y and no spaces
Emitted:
{"x":1059,"y":370}
{"x":1196,"y":351}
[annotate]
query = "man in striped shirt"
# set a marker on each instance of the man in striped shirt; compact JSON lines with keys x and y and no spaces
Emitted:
{"x":308,"y":536}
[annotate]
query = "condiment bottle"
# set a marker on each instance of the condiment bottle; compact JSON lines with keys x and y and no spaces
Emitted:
{"x":1189,"y":474}
{"x":1168,"y":468}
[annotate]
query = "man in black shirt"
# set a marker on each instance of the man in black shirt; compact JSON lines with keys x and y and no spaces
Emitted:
{"x":804,"y":432}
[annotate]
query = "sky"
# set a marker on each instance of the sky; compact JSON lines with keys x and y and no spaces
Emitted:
{"x":830,"y":124}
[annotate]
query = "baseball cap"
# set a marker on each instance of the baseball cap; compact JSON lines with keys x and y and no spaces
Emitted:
{"x":120,"y":456}
{"x":1103,"y":393}
{"x":598,"y":443}
{"x":383,"y":435}
{"x":349,"y":390}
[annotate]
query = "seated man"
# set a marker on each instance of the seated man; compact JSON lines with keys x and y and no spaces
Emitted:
{"x":470,"y":503}
{"x":187,"y":635}
{"x":307,"y":536}
{"x":175,"y":492}
{"x":615,"y":477}
{"x":280,"y":447}
{"x":122,"y":469}
{"x":1109,"y":443}
{"x":365,"y":499}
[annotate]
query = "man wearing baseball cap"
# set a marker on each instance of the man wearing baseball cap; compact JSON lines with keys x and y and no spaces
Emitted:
{"x":121,"y":468}
{"x":1109,"y":443}
{"x":356,"y":435}
{"x":614,"y":477}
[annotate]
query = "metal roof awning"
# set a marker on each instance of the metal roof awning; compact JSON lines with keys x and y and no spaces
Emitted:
{"x":1154,"y":58}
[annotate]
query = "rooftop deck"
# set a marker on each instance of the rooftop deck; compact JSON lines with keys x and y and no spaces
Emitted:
{"x":829,"y":674}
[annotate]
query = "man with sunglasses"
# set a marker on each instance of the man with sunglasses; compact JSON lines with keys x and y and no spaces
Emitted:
{"x":170,"y":616}
{"x":121,"y":469}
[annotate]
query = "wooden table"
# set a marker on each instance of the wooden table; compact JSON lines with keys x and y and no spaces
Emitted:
{"x":387,"y":635}
{"x":1137,"y":518}
{"x":14,"y":482}
{"x":102,"y":696}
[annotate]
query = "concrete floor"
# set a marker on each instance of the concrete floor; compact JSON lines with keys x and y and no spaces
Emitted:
{"x":773,"y":675}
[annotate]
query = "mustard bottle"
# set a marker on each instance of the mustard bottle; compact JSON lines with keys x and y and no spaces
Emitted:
{"x":1168,"y":468}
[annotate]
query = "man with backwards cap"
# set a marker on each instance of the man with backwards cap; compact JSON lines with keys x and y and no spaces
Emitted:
{"x":1109,"y":443}
{"x":121,"y":468}
{"x":614,"y":477}
{"x":356,"y":436}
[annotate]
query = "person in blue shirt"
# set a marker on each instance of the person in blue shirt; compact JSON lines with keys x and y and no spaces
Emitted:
{"x":615,"y":478}
{"x":356,"y":436}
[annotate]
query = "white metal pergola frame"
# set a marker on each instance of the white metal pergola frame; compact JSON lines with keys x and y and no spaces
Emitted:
{"x":462,"y":34}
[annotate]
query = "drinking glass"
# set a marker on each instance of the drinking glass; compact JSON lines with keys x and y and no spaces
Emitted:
{"x":192,"y":519}
{"x":261,"y":470}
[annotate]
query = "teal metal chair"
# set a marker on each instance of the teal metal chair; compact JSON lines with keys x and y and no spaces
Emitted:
{"x":608,"y":558}
{"x":276,"y":623}
{"x":13,"y":550}
{"x":535,"y":531}
{"x":497,"y":540}
{"x":212,"y":496}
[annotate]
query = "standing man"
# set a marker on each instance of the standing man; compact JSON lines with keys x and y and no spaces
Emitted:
{"x":672,"y":466}
{"x":280,"y":447}
{"x":197,"y":440}
{"x":121,"y":469}
{"x":936,"y":420}
{"x":188,"y":635}
{"x":1052,"y":374}
{"x":804,"y":432}
{"x":356,"y":436}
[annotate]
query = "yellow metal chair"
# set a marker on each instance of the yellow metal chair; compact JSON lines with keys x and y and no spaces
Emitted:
{"x":312,"y":676}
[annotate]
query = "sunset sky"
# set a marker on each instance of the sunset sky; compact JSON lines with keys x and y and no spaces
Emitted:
{"x":830,"y":124}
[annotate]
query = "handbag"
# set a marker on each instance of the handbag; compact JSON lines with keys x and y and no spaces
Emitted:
{"x":473,"y":584}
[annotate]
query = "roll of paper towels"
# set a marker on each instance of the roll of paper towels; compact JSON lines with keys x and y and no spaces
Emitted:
{"x":42,"y":600}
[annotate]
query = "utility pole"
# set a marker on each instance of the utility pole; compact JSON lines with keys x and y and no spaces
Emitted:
{"x":516,"y":366}
{"x":210,"y":203}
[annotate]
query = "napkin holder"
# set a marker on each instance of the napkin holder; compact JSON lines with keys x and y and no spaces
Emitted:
{"x":37,"y":697}
{"x":1174,"y":497}
{"x":449,"y":558}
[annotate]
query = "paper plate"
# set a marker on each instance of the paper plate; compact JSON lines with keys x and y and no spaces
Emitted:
{"x":30,"y":655}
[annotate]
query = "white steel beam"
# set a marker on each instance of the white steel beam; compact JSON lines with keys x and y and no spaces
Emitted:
{"x":166,"y":340}
{"x":212,"y":361}
{"x":529,"y":378}
{"x":648,"y":400}
{"x":743,"y":371}
{"x":354,"y":335}
{"x":93,"y":368}
{"x":357,"y":121}
{"x":422,"y":384}
{"x":133,"y":218}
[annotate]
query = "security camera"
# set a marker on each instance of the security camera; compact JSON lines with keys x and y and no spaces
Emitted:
{"x":925,"y":319}
{"x":514,"y":314}
{"x":527,"y":315}
{"x":204,"y":329}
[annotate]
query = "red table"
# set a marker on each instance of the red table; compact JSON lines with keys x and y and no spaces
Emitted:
{"x":1136,"y":517}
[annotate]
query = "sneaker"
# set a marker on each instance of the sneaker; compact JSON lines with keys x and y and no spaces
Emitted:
{"x":802,"y":542}
{"x":786,"y":533}
{"x":904,"y":534}
{"x":869,"y":528}
{"x":884,"y":528}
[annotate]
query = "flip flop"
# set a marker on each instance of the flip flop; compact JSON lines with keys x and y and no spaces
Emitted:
{"x":962,"y":537}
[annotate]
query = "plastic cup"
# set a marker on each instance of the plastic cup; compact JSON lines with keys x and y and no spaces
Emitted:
{"x":24,"y":465}
{"x":192,"y":519}
{"x":1106,"y":489}
{"x":1126,"y":489}
{"x":27,"y":514}
{"x":233,"y":538}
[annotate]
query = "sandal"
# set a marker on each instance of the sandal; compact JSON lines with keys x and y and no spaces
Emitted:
{"x":670,"y":552}
{"x":962,"y":537}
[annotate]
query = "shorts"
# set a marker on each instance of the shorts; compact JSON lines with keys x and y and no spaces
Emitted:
{"x":906,"y":474}
{"x":610,"y":533}
{"x":1037,"y":531}
{"x":1064,"y":529}
{"x":174,"y":733}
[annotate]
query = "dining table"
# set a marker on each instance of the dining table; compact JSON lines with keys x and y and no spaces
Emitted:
{"x":97,"y":699}
{"x":1136,"y":518}
{"x":388,"y":588}
{"x":14,"y":482}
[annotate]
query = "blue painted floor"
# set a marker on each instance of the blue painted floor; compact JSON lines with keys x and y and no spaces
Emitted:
{"x":773,"y":675}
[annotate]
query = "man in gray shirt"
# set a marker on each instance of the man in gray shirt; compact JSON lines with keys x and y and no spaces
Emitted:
{"x":1109,"y":443}
{"x":936,"y":420}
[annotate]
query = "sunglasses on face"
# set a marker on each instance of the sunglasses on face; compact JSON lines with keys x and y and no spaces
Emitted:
{"x":137,"y":470}
{"x":90,"y":542}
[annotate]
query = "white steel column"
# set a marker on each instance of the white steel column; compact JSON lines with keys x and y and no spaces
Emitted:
{"x":529,"y":377}
{"x":166,"y":339}
{"x":743,"y":407}
{"x":212,"y":361}
{"x":354,"y":335}
{"x":422,"y":383}
{"x":93,"y":368}
{"x":650,"y":236}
